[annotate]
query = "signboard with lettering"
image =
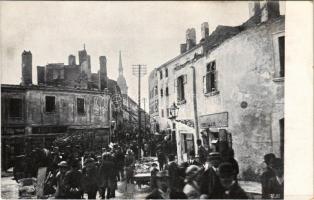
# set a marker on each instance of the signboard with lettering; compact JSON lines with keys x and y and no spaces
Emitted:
{"x":216,"y":120}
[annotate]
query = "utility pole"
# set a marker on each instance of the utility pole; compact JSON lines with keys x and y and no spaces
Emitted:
{"x":139,"y":71}
{"x":144,"y":99}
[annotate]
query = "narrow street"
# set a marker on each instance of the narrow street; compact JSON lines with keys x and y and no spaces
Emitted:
{"x":9,"y":190}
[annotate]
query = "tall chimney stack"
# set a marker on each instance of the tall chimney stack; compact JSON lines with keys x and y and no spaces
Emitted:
{"x":182,"y":48}
{"x":190,"y":38}
{"x":103,"y":73}
{"x":204,"y":30}
{"x":254,"y":8}
{"x":41,"y":75}
{"x":269,"y":10}
{"x":27,"y":68}
{"x":72,"y":61}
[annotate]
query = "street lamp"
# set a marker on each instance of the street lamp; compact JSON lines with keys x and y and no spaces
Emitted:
{"x":173,"y":114}
{"x":173,"y":111}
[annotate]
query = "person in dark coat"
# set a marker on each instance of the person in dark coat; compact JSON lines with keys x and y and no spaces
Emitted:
{"x":90,"y":176}
{"x":163,"y":191}
{"x":73,"y":181}
{"x":202,"y":153}
{"x":267,"y":175}
{"x":59,"y":179}
{"x":161,"y":159}
{"x":227,"y":155}
{"x":153,"y":174}
{"x":173,"y":170}
{"x":231,"y":189}
{"x":210,"y":186}
{"x":107,"y":176}
{"x":276,"y":183}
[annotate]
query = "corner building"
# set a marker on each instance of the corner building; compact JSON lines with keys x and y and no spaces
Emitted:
{"x":229,"y":89}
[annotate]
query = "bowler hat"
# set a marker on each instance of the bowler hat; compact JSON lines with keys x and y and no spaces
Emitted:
{"x":214,"y":156}
{"x":226,"y":169}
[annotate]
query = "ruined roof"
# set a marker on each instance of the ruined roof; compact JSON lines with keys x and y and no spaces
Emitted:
{"x":48,"y":88}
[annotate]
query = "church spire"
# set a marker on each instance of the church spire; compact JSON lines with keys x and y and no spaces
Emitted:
{"x":120,"y":64}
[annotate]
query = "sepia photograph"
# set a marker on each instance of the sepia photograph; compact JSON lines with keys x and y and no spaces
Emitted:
{"x":143,"y":100}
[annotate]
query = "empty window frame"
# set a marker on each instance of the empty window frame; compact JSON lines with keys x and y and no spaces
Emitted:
{"x":15,"y":108}
{"x":181,"y":81}
{"x":281,"y":45}
{"x":210,"y":79}
{"x":50,"y":104}
{"x":80,"y":102}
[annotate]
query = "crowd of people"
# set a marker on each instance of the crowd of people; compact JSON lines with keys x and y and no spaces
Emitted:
{"x":73,"y":172}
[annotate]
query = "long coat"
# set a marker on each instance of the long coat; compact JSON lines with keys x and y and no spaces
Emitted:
{"x":107,"y":174}
{"x":210,"y":184}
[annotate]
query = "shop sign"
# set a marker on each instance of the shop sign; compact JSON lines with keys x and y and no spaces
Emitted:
{"x":216,"y":120}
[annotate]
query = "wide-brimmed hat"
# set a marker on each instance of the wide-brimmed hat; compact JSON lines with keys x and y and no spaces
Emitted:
{"x":63,"y":164}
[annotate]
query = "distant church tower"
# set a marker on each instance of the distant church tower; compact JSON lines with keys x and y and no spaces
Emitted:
{"x":121,"y":80}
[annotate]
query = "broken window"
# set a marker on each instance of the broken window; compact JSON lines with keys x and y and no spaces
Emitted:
{"x":281,"y":42}
{"x":15,"y":108}
{"x":80,"y":105}
{"x":210,"y":79}
{"x":50,"y":104}
{"x":181,"y":81}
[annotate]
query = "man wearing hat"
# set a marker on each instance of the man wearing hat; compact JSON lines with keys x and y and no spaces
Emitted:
{"x":276,"y":183}
{"x":59,"y":180}
{"x":73,"y":181}
{"x":228,"y":176}
{"x":163,"y":191}
{"x":107,"y":176}
{"x":267,"y":174}
{"x":90,"y":176}
{"x":210,"y":184}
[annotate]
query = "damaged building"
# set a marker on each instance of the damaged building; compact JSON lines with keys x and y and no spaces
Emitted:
{"x":68,"y":99}
{"x":229,"y":88}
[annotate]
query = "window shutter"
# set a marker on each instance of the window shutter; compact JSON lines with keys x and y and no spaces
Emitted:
{"x":208,"y":82}
{"x":184,"y":79}
{"x":216,"y":80}
{"x":179,"y":92}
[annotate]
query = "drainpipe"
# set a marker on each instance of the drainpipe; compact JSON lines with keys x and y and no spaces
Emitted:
{"x":195,"y":110}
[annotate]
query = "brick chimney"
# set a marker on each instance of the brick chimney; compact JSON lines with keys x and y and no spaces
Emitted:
{"x":103,"y":73}
{"x":190,"y":38}
{"x":254,"y":8}
{"x":72,"y":60}
{"x":41,"y":75}
{"x":27,"y":68}
{"x":204,"y":30}
{"x":269,"y":10}
{"x":183,"y":48}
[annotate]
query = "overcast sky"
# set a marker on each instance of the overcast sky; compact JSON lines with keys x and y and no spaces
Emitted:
{"x":146,"y":32}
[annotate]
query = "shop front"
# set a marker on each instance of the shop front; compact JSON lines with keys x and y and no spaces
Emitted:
{"x":214,"y":132}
